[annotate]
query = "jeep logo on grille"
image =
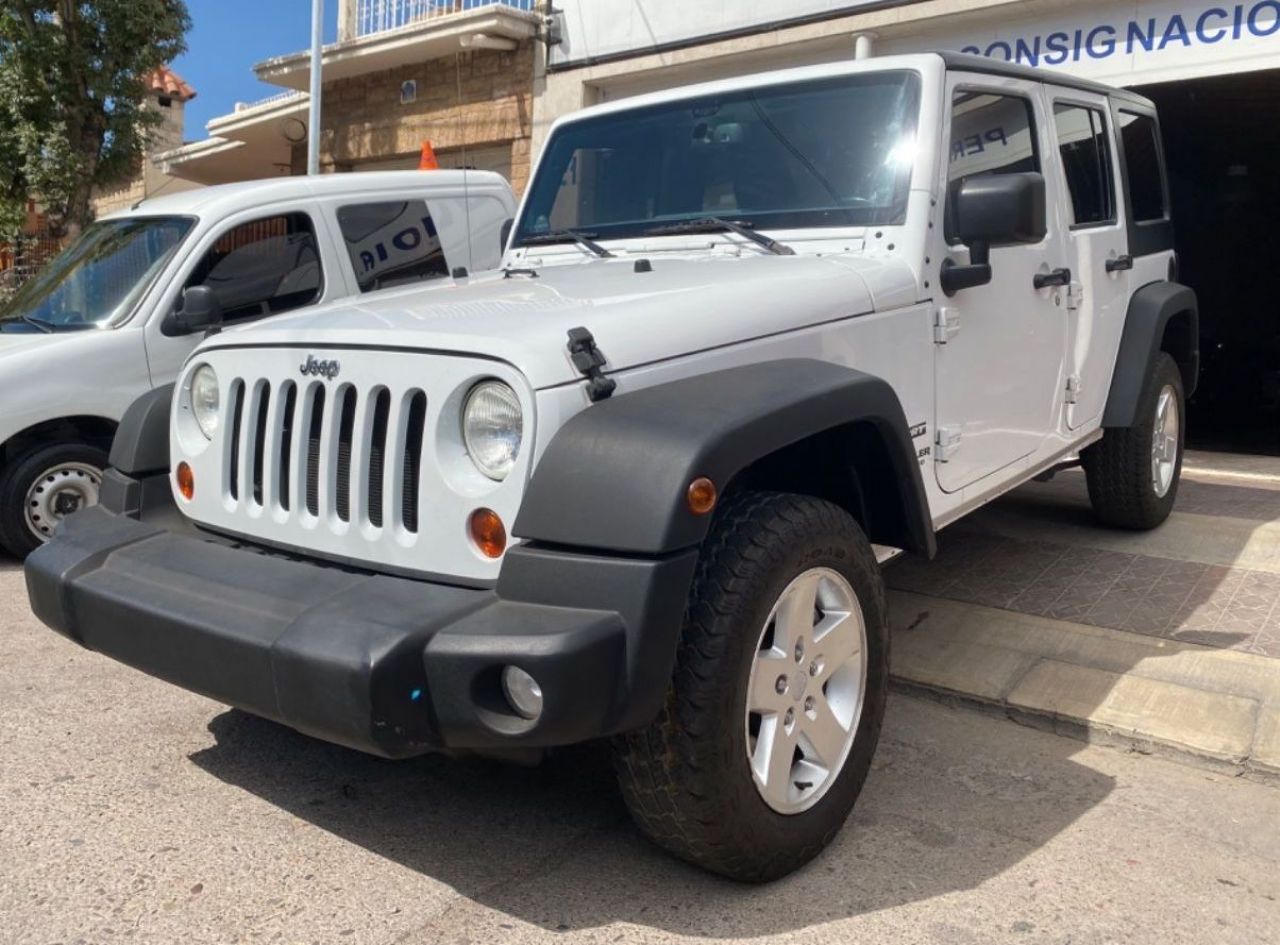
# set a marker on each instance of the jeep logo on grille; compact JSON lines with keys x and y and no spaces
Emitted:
{"x":326,"y":369}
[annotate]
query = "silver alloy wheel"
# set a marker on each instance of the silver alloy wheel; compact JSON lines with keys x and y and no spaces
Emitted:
{"x":1164,"y":441}
{"x":59,"y":491}
{"x":808,"y":683}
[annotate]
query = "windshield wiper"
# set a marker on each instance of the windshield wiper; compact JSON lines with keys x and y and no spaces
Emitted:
{"x":39,"y":323}
{"x":568,"y":236}
{"x":720,"y":225}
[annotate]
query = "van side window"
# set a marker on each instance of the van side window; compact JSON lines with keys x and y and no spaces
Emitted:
{"x":991,"y":133}
{"x":392,"y":243}
{"x":1086,"y":162}
{"x":1142,"y":163}
{"x":263,"y":267}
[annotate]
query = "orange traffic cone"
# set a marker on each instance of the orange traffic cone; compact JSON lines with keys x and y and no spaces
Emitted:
{"x":428,"y":162}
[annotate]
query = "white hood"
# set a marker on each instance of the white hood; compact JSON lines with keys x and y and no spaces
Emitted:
{"x":14,"y":344}
{"x":680,"y":306}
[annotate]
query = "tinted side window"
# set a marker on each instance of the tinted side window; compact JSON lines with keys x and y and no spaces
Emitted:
{"x":1086,"y":160}
{"x":392,"y":243}
{"x":263,"y":267}
{"x":990,"y":134}
{"x":1142,"y":162}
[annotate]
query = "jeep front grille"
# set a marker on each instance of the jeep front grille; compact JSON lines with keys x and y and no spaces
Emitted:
{"x":271,"y":466}
{"x":368,"y":466}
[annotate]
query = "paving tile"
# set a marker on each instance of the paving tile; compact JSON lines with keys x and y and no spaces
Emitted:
{"x":1067,"y":611}
{"x":1035,"y":600}
{"x":1193,"y":620}
{"x":1267,"y":641}
{"x":1143,"y":620}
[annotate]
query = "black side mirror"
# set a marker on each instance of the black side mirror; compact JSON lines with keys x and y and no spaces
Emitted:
{"x":993,"y":210}
{"x":505,"y":235}
{"x":200,"y":311}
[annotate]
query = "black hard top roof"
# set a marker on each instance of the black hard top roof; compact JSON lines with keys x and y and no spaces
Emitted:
{"x":967,"y":62}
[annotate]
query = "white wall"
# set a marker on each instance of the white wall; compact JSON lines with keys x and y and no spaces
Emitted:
{"x":600,"y":28}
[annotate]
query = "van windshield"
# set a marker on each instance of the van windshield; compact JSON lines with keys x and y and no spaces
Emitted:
{"x":96,"y":281}
{"x":826,"y":153}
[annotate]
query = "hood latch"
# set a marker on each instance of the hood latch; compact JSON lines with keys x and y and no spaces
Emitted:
{"x":589,"y":360}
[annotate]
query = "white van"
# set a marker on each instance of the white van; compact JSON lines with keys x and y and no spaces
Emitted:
{"x":103,"y":323}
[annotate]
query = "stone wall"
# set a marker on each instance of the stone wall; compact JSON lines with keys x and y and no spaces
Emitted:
{"x":479,"y":100}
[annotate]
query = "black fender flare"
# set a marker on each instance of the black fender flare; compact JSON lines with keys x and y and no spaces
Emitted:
{"x":615,"y":477}
{"x":141,"y":444}
{"x":1150,"y":310}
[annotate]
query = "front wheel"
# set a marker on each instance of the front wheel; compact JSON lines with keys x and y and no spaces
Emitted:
{"x":41,"y":487}
{"x":1133,"y":473}
{"x":775,"y":706}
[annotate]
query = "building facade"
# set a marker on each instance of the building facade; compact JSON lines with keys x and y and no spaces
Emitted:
{"x":454,"y":74}
{"x":167,"y":99}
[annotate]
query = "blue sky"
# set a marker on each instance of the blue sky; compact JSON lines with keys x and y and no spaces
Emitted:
{"x":227,"y":37}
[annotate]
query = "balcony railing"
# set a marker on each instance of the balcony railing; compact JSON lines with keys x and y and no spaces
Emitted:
{"x":378,"y":16}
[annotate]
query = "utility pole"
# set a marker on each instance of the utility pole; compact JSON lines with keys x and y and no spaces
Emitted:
{"x":313,"y":124}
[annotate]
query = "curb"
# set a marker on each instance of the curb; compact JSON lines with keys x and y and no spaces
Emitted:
{"x":1218,"y":709}
{"x":1087,"y":731}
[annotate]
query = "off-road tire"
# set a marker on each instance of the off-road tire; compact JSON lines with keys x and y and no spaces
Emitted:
{"x":16,"y":480}
{"x":686,"y":778}
{"x":1118,"y":467}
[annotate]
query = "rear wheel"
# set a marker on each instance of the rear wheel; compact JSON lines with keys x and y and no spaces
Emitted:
{"x":775,"y":707}
{"x":1133,"y":473}
{"x":41,"y":487}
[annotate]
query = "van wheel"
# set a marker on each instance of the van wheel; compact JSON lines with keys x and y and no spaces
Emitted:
{"x":41,"y":487}
{"x":1133,"y":473}
{"x":779,"y":688}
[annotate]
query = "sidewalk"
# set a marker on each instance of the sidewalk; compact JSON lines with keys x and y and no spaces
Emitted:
{"x":1166,"y":641}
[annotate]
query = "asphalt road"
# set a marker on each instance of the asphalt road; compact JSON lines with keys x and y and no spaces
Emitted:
{"x":133,"y":812}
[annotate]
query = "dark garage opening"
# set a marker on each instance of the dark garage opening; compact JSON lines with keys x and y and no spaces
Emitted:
{"x":1222,"y":144}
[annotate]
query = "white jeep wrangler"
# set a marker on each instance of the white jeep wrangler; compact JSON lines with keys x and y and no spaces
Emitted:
{"x":629,"y":487}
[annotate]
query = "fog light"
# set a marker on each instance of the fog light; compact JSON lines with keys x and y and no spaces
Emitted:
{"x":523,"y":692}
{"x":186,"y":481}
{"x":488,"y":533}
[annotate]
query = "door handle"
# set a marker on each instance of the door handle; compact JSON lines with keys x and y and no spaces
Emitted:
{"x":1118,"y":263}
{"x":1054,"y":277}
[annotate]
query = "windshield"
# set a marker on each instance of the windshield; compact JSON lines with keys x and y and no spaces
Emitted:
{"x":833,"y":152}
{"x":96,"y":281}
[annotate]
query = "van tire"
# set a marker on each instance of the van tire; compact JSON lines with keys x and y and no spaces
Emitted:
{"x":78,"y":470}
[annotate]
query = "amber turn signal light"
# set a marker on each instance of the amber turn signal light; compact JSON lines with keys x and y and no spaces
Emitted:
{"x":186,"y":481}
{"x":488,"y":532}
{"x":701,"y":496}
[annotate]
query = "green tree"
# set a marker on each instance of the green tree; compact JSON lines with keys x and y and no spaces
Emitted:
{"x":72,"y":92}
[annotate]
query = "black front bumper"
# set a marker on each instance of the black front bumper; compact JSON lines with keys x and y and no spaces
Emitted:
{"x":387,"y":665}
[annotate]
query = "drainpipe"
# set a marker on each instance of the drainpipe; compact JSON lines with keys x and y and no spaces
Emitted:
{"x":863,"y":45}
{"x":317,"y":46}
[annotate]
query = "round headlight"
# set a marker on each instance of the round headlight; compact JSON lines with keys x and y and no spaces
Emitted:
{"x":492,"y":427}
{"x":205,"y":400}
